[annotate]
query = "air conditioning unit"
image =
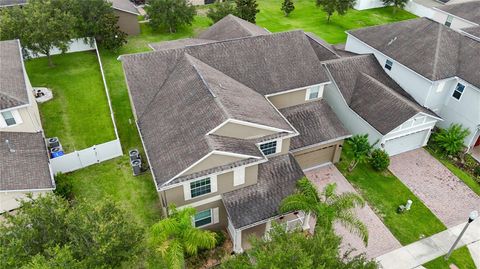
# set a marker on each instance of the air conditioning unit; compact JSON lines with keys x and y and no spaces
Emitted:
{"x":56,"y":152}
{"x":53,"y":142}
{"x":136,"y":166}
{"x":134,"y":154}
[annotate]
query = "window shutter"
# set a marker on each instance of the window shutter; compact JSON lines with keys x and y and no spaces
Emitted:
{"x":213,"y":183}
{"x":279,"y":146}
{"x":186,"y":191}
{"x":215,"y":215}
{"x":17,"y":117}
{"x":239,"y":176}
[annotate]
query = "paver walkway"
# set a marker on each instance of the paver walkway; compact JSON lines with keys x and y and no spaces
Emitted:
{"x":440,"y":190}
{"x":475,"y":252}
{"x":430,"y":248}
{"x":380,"y":239}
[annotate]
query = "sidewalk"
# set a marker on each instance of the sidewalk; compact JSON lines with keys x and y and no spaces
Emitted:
{"x":430,"y":248}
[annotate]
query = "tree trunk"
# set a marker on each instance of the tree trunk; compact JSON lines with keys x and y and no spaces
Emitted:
{"x":50,"y":61}
{"x":328,"y":18}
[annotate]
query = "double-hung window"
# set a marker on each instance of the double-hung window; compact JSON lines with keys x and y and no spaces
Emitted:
{"x":9,"y":118}
{"x":457,"y":93}
{"x":269,"y":147}
{"x":313,"y":92}
{"x":449,"y":20}
{"x":388,"y":64}
{"x":203,"y":218}
{"x":200,"y":187}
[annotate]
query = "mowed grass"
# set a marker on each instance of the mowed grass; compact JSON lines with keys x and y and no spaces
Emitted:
{"x":385,"y":192}
{"x":79,"y":113}
{"x":460,"y":257}
{"x":310,"y":18}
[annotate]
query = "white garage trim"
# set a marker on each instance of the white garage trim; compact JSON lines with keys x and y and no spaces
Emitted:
{"x":415,"y":142}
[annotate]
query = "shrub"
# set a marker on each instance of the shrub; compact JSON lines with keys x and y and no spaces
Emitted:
{"x":360,"y":148}
{"x":219,"y":10}
{"x":64,"y":186}
{"x":379,"y":160}
{"x":476,"y":171}
{"x":450,"y":140}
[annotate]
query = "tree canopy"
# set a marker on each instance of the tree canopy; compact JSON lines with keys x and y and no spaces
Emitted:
{"x":339,"y":6}
{"x":247,"y":9}
{"x":219,"y":10}
{"x":397,"y":4}
{"x":170,"y":14}
{"x":287,"y":7}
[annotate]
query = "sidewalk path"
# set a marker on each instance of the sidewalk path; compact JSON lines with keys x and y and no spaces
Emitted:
{"x":380,"y":239}
{"x":430,"y":248}
{"x":475,"y":252}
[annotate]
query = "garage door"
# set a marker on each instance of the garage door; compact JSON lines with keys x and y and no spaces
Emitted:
{"x":406,"y":143}
{"x":315,"y":157}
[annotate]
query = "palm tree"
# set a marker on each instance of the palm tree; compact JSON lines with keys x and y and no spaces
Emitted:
{"x":360,"y":148}
{"x":174,"y":236}
{"x":328,"y":207}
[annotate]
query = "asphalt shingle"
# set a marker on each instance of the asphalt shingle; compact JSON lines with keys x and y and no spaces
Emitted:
{"x":231,"y":27}
{"x":467,"y":10}
{"x":13,"y":87}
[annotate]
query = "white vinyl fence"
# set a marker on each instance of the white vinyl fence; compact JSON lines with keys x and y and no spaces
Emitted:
{"x":76,"y":45}
{"x":85,"y":157}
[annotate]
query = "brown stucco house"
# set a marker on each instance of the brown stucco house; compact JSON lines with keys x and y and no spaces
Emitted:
{"x":127,"y":16}
{"x":24,"y":162}
{"x":230,"y":123}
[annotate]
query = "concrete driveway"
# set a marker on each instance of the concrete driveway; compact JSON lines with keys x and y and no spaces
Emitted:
{"x":380,"y":239}
{"x":440,"y":190}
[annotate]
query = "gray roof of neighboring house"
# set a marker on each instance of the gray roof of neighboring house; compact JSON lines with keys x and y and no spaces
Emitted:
{"x":469,"y":11}
{"x":231,"y":27}
{"x":27,"y":168}
{"x":12,"y":2}
{"x":372,"y":94}
{"x":124,"y":5}
{"x":13,"y":87}
{"x":178,"y":44}
{"x":316,"y":122}
{"x":427,"y":47}
{"x":475,"y":31}
{"x":194,"y":99}
{"x":340,"y":50}
{"x":323,"y":50}
{"x":276,"y":180}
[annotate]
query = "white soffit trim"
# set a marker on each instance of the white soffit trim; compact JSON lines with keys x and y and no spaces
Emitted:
{"x":202,"y":202}
{"x":188,"y":168}
{"x":297,"y":89}
{"x":231,"y":154}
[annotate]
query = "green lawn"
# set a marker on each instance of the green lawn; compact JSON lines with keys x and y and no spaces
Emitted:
{"x":79,"y":113}
{"x":460,"y":257}
{"x":465,"y":177}
{"x":310,"y":18}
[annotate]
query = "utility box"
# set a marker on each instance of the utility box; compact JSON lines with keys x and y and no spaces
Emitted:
{"x":134,"y":154}
{"x":53,"y":142}
{"x":136,"y":166}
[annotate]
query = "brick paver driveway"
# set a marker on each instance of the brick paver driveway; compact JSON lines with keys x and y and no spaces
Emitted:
{"x":440,"y":190}
{"x":380,"y":239}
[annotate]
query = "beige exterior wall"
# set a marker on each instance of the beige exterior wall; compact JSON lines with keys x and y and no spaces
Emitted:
{"x":8,"y":200}
{"x":222,"y":221}
{"x":242,"y":131}
{"x":285,"y":146}
{"x":224,"y":184}
{"x":319,"y":155}
{"x":288,"y":99}
{"x":212,"y":161}
{"x":128,"y":22}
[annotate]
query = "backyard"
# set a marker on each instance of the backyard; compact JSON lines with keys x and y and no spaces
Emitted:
{"x":78,"y":113}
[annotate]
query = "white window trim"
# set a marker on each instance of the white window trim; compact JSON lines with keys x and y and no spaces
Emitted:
{"x":238,"y":176}
{"x":16,"y":117}
{"x":186,"y":187}
{"x":309,"y":90}
{"x":385,"y":65}
{"x":278,"y":148}
{"x":455,"y":89}
{"x":214,"y":217}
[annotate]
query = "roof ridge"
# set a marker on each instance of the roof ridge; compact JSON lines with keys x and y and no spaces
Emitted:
{"x":437,"y":51}
{"x":12,"y":98}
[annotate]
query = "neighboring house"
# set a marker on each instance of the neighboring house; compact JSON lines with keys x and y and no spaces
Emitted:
{"x":458,"y":16}
{"x":228,"y":126}
{"x":127,"y":16}
{"x":363,"y":96}
{"x":11,"y":3}
{"x":24,"y":162}
{"x":436,"y":65}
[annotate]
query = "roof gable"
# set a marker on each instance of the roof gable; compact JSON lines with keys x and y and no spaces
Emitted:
{"x":469,"y":11}
{"x":231,"y":27}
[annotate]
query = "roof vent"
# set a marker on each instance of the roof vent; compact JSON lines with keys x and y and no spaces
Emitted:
{"x":391,"y":41}
{"x":10,"y":146}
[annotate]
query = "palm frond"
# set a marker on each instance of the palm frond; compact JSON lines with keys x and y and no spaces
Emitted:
{"x":175,"y":256}
{"x":354,"y":225}
{"x":305,"y":187}
{"x":297,"y":201}
{"x":196,"y":238}
{"x":346,"y":201}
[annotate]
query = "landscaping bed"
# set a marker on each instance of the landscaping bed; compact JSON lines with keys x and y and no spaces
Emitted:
{"x":460,"y":257}
{"x":78,"y":113}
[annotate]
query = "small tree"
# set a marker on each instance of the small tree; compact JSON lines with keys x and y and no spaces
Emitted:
{"x":174,"y":236}
{"x":287,"y":7}
{"x":450,"y":140}
{"x":219,"y":10}
{"x":397,"y":4}
{"x":360,"y":148}
{"x":170,"y":14}
{"x":41,"y":26}
{"x":379,"y":160}
{"x":247,"y":9}
{"x":340,"y":6}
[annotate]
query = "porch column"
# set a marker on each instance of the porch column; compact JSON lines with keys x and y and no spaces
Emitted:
{"x":237,"y":242}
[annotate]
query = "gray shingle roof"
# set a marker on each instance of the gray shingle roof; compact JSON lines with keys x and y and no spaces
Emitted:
{"x":316,"y":122}
{"x":27,"y":167}
{"x":254,"y":203}
{"x":231,"y":27}
{"x":372,"y":94}
{"x":475,"y":31}
{"x":467,"y":10}
{"x":179,"y":43}
{"x":124,"y":5}
{"x":12,"y":2}
{"x":427,"y":47}
{"x":323,"y":50}
{"x":13,"y":88}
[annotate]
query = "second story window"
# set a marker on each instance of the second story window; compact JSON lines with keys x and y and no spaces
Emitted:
{"x":200,"y":187}
{"x":269,"y":147}
{"x":457,"y":93}
{"x":313,"y":92}
{"x":388,"y":64}
{"x":449,"y":20}
{"x":9,"y":118}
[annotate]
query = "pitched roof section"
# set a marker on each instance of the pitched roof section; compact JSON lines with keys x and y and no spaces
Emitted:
{"x":124,"y":5}
{"x":372,"y":94}
{"x":13,"y":87}
{"x":469,"y":11}
{"x":474,"y":31}
{"x":231,"y":27}
{"x":178,"y":44}
{"x":316,"y":122}
{"x":261,"y":201}
{"x":323,"y":50}
{"x":27,"y":168}
{"x":427,"y":47}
